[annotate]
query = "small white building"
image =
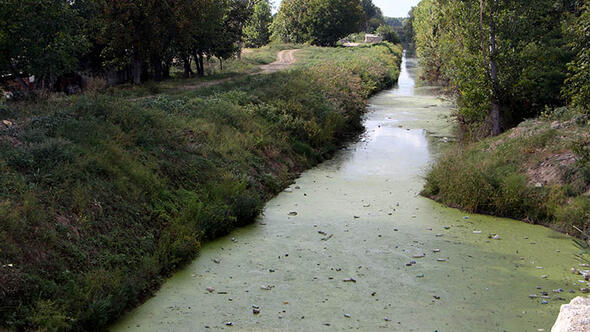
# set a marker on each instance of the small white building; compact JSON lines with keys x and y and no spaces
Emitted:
{"x":369,"y":38}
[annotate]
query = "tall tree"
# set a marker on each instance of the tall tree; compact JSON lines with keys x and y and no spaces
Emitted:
{"x":257,"y":29}
{"x":373,"y":15}
{"x":39,"y":38}
{"x":320,"y":22}
{"x":577,"y":87}
{"x":506,"y":60}
{"x":128,"y":33}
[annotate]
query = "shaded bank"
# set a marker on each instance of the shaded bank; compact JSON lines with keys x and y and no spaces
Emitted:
{"x":102,"y":197}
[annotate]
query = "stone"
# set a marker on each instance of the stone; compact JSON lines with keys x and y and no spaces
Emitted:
{"x":350,"y":280}
{"x":496,"y":237}
{"x":293,"y":214}
{"x":435,"y":250}
{"x":574,"y":316}
{"x":229,"y":323}
{"x":477,"y":232}
{"x":216,"y":261}
{"x":210,"y":289}
{"x":419,"y":256}
{"x":347,"y":315}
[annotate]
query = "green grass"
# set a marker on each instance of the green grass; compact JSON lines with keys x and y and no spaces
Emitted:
{"x":536,"y":172}
{"x":103,"y":196}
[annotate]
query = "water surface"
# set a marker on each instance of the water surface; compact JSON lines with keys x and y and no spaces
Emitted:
{"x":359,"y":216}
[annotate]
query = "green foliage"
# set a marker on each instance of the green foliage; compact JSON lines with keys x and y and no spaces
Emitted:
{"x":319,"y":22}
{"x":388,"y":34}
{"x":530,"y":55}
{"x":373,"y":16}
{"x":29,"y":45}
{"x":101,"y":197}
{"x":257,"y":29}
{"x":577,"y":87}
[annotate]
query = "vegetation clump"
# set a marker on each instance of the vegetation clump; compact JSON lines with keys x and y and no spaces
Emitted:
{"x":101,"y":196}
{"x":538,"y":172}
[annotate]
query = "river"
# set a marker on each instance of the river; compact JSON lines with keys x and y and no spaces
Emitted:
{"x":341,"y":262}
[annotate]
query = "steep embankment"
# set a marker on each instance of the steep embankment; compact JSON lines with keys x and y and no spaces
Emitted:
{"x":102,"y":197}
{"x":538,"y":172}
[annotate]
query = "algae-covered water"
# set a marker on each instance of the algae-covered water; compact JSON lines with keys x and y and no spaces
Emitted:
{"x":341,"y":262}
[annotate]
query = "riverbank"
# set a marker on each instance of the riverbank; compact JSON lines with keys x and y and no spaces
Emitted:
{"x":538,"y":172}
{"x":102,"y":197}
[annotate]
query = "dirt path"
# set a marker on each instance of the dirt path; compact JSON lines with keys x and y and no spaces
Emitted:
{"x":285,"y":59}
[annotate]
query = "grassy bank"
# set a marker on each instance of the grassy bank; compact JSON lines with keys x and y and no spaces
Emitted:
{"x":101,"y":197}
{"x":538,"y":172}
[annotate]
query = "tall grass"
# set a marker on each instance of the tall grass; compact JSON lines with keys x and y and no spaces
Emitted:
{"x":102,"y":197}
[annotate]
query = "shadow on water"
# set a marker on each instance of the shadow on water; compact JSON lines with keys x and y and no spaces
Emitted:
{"x":342,"y":261}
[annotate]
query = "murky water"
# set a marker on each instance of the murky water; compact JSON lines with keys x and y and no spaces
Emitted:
{"x":359,"y":216}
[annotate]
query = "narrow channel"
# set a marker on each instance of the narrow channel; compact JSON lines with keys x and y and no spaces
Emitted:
{"x":342,"y":248}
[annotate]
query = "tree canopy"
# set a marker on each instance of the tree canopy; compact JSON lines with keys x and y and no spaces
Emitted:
{"x":496,"y":54}
{"x":49,"y":38}
{"x":319,"y":22}
{"x":257,"y":29}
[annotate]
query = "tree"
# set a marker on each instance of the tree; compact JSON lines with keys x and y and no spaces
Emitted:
{"x":320,"y":22}
{"x":577,"y":87}
{"x":373,"y":15}
{"x":127,"y":33}
{"x":39,"y":38}
{"x":506,"y":60}
{"x":388,"y":34}
{"x":257,"y":29}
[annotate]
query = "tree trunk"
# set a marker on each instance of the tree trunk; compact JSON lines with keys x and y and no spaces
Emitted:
{"x":200,"y":64}
{"x":19,"y":79}
{"x":166,"y":68}
{"x":188,"y":71}
{"x":136,"y":71}
{"x":158,"y":69}
{"x":495,"y":111}
{"x":221,"y":64}
{"x":491,"y":67}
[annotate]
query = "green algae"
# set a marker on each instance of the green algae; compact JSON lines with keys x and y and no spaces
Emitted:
{"x":359,"y":216}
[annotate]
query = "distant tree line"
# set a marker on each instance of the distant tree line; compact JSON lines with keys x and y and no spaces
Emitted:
{"x":325,"y":22}
{"x":146,"y":38}
{"x":506,"y":60}
{"x":50,"y":38}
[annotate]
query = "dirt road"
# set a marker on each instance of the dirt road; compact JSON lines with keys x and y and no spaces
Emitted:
{"x":284,"y":60}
